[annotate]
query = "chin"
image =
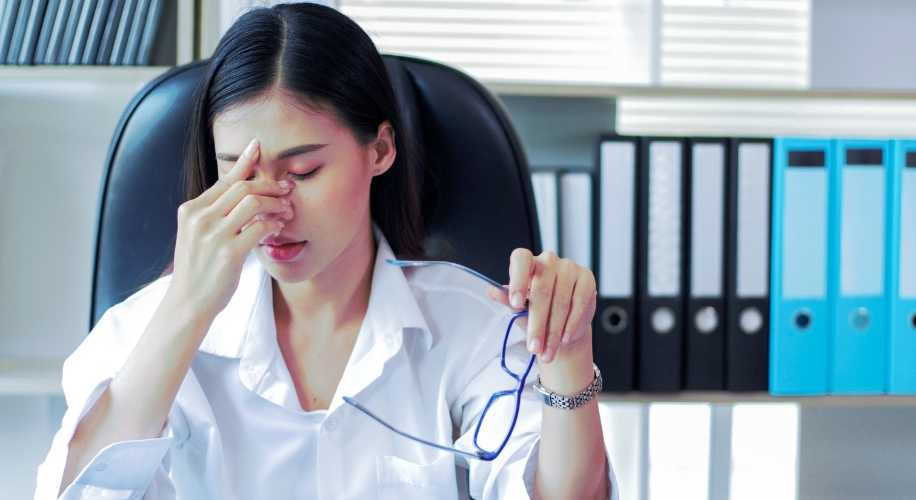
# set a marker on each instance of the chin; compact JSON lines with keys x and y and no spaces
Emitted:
{"x":293,"y":271}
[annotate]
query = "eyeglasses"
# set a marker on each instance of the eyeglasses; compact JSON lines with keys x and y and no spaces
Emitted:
{"x":480,"y":453}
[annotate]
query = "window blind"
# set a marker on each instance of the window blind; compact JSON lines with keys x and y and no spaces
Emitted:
{"x":735,"y":43}
{"x":765,"y":116}
{"x":518,"y":41}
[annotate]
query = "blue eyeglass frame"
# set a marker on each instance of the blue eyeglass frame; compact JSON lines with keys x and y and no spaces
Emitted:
{"x":480,"y":453}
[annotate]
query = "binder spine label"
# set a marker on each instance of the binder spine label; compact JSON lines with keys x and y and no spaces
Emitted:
{"x":707,"y":221}
{"x":617,"y":234}
{"x":664,"y":259}
{"x":862,"y":231}
{"x":804,"y":234}
{"x":907,"y":228}
{"x":544,"y":185}
{"x":576,"y":217}
{"x":753,"y":252}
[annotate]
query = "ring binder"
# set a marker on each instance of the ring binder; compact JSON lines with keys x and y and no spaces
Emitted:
{"x":614,"y":328}
{"x":747,"y":337}
{"x":661,"y":280}
{"x":704,"y":341}
{"x":801,"y":324}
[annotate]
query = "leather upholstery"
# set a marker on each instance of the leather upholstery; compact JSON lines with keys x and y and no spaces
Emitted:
{"x":478,"y":204}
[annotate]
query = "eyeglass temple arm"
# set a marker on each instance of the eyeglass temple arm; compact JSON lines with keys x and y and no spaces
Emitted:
{"x":423,"y":263}
{"x":478,"y":455}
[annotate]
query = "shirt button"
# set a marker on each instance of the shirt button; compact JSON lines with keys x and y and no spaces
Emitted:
{"x":330,"y":424}
{"x":102,"y":466}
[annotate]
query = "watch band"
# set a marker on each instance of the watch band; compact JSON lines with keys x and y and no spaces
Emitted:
{"x":555,"y":400}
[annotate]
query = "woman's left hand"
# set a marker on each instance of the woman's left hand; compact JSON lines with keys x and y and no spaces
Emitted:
{"x":561,"y":303}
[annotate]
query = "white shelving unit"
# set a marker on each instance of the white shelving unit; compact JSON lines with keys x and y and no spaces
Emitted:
{"x":30,"y":377}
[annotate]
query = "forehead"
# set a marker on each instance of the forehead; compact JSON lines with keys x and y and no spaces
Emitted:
{"x":277,"y":120}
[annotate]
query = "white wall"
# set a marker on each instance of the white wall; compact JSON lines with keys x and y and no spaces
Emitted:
{"x":863,"y":45}
{"x":55,"y":130}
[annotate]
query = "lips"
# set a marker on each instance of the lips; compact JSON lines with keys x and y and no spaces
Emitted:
{"x":281,"y":249}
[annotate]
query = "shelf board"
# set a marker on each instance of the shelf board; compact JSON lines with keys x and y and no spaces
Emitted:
{"x":31,"y":377}
{"x":43,"y":377}
{"x":58,"y":73}
{"x":756,"y":397}
{"x":613,"y":91}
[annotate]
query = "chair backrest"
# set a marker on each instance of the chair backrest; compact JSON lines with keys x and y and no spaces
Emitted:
{"x":478,"y":204}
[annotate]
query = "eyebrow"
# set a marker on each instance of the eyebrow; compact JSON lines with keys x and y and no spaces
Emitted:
{"x":297,"y":150}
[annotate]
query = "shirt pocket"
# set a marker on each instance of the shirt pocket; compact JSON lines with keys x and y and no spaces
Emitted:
{"x":399,"y":479}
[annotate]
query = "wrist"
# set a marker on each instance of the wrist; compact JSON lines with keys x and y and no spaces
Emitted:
{"x":571,"y":371}
{"x":185,"y":313}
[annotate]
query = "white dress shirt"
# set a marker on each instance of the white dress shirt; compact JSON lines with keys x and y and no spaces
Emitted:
{"x":426,"y":359}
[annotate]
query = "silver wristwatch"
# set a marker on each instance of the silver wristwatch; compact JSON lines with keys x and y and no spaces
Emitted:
{"x":555,"y":400}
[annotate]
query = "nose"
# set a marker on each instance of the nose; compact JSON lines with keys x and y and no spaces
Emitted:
{"x":264,"y":174}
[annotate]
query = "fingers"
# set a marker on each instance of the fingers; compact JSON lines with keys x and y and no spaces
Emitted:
{"x":240,"y":171}
{"x":499,"y":296}
{"x":254,"y":207}
{"x":521,"y":268}
{"x":257,"y":231}
{"x":559,"y":307}
{"x":561,"y":299}
{"x":539,"y":300}
{"x":241,"y":190}
{"x":584,"y":297}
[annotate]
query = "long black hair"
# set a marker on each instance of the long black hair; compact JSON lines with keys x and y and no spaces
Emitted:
{"x":328,"y":62}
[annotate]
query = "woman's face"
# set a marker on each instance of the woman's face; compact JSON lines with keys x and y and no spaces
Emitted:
{"x":328,"y":220}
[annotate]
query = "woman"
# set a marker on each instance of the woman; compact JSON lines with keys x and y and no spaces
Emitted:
{"x":224,"y":379}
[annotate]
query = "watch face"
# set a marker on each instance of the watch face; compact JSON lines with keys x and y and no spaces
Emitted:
{"x":542,"y":396}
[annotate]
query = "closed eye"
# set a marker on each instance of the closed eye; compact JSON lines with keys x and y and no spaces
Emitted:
{"x":305,"y":176}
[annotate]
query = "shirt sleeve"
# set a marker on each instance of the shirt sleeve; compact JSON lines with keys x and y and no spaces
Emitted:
{"x":123,"y":470}
{"x":511,"y":474}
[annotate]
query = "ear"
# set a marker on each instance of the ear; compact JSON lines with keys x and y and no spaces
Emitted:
{"x":382,"y":150}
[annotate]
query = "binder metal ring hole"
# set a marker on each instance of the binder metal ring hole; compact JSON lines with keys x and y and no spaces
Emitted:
{"x":706,"y":320}
{"x":859,"y":319}
{"x":751,"y":320}
{"x":614,"y":319}
{"x":663,"y":320}
{"x":803,"y":320}
{"x":913,"y":320}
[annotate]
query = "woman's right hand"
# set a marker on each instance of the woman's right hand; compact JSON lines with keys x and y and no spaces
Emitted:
{"x":218,"y":229}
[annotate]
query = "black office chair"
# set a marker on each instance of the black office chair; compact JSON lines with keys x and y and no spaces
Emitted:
{"x":478,"y":205}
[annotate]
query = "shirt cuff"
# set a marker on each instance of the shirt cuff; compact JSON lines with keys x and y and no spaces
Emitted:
{"x":120,"y":470}
{"x":127,"y":466}
{"x":531,"y":465}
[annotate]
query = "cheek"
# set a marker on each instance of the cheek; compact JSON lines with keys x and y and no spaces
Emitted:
{"x":342,"y":198}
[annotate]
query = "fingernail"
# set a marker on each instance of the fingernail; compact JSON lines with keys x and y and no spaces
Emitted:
{"x":260,"y":217}
{"x":281,"y":223}
{"x":547,"y":355}
{"x":284,"y":201}
{"x":286,"y":184}
{"x":534,"y":345}
{"x":565,"y":338}
{"x":517,"y":299}
{"x":250,"y":149}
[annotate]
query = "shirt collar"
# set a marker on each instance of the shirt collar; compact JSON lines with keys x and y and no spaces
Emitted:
{"x":392,"y":305}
